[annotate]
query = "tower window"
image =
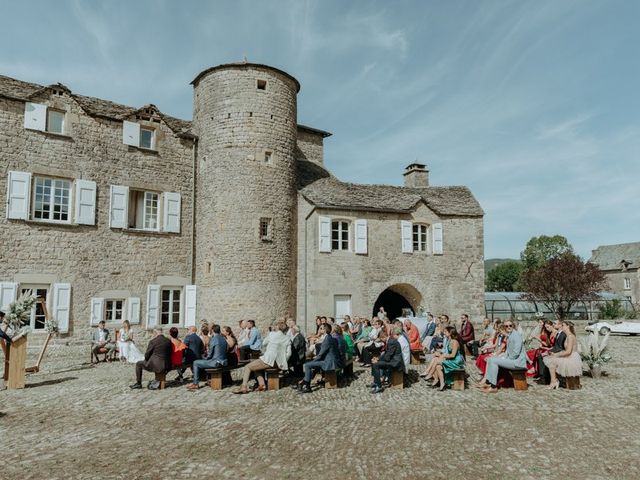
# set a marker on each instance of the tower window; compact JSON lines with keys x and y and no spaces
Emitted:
{"x":265,"y":229}
{"x":261,"y":84}
{"x":268,"y":157}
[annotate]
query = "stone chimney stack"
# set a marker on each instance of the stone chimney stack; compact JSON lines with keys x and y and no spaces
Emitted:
{"x":416,"y":175}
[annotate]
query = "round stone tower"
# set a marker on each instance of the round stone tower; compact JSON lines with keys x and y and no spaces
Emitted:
{"x":245,"y":117}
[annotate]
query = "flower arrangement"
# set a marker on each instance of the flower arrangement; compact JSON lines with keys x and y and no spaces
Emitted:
{"x":593,"y":350}
{"x":51,"y":325}
{"x":19,"y":313}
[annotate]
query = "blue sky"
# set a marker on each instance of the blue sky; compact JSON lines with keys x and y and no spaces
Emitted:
{"x":533,"y":105}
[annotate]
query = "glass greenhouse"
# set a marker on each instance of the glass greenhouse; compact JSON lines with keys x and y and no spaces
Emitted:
{"x":511,"y":305}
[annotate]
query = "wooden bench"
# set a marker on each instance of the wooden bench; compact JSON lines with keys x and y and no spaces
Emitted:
{"x":572,"y":383}
{"x":273,"y":378}
{"x":519,"y":376}
{"x":459,"y":377}
{"x":416,"y":357}
{"x":216,"y":375}
{"x":397,"y":379}
{"x":331,"y":378}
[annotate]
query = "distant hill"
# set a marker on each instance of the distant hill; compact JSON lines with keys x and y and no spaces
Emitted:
{"x":493,"y":262}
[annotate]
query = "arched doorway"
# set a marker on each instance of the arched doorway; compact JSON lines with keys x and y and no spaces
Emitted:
{"x":397,"y":297}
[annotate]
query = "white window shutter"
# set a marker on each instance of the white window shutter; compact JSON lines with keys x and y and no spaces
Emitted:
{"x":133,"y":310}
{"x":190,"y":305}
{"x":407,"y":236}
{"x":97,"y":310}
{"x":361,"y":236}
{"x":153,"y":305}
{"x":35,"y":116}
{"x":8,"y":295}
{"x":119,"y":206}
{"x":62,"y":305}
{"x":85,"y":202}
{"x":18,"y":195}
{"x":324,"y":230}
{"x":131,"y":133}
{"x":171,"y":212}
{"x":436,"y":232}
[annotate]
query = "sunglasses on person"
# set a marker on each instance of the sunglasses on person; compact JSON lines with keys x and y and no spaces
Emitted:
{"x":508,"y":325}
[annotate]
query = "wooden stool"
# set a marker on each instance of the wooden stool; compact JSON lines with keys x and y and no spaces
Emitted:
{"x":162,"y":378}
{"x":416,"y":357}
{"x":519,"y":379}
{"x":331,"y":379}
{"x":572,"y":383}
{"x":459,"y":377}
{"x":273,"y":378}
{"x":397,"y":379}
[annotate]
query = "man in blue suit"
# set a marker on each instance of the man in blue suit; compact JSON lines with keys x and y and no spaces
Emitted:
{"x":516,"y":358}
{"x":217,"y":357}
{"x":327,"y":359}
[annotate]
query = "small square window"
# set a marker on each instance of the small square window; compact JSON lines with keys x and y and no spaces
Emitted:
{"x":55,"y":121}
{"x":268,"y":157}
{"x":261,"y":84}
{"x":147,"y":138}
{"x":265,"y":229}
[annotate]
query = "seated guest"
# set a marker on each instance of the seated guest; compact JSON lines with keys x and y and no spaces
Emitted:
{"x":467,"y":334}
{"x":452,"y":359}
{"x":405,"y":346}
{"x":429,"y":330}
{"x":494,"y":347}
{"x":157,"y":359}
{"x":373,"y":346}
{"x":194,"y":351}
{"x":243,"y":333}
{"x":177,"y":351}
{"x":413,"y":335}
{"x":102,"y":343}
{"x":216,"y":357}
{"x":391,"y":359}
{"x":356,"y":328}
{"x":347,"y":340}
{"x":566,"y":363}
{"x":253,"y":343}
{"x":336,"y":333}
{"x":515,"y":357}
{"x":232,"y":354}
{"x":277,"y":350}
{"x":546,"y":337}
{"x":487,"y":331}
{"x":558,"y":346}
{"x":205,"y":336}
{"x":326,"y":360}
{"x":364,"y":338}
{"x":126,"y":347}
{"x":298,"y":351}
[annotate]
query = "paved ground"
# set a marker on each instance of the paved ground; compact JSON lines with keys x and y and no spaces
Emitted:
{"x":75,"y":421}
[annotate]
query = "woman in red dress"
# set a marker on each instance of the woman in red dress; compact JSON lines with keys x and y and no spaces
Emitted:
{"x":547,"y":338}
{"x":495,"y":346}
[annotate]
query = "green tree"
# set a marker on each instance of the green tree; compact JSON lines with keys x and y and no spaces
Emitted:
{"x":504,"y":277}
{"x":543,"y":248}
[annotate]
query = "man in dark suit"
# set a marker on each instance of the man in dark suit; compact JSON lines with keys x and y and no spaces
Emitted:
{"x":467,"y":333}
{"x":326,"y":360}
{"x":391,"y":359}
{"x":157,"y":359}
{"x":558,"y":346}
{"x":298,"y":351}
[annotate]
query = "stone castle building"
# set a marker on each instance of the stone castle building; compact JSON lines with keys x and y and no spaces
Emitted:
{"x":117,"y":213}
{"x":621,"y":266}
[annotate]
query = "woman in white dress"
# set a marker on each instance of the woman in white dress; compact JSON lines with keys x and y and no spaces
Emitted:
{"x":127,"y":348}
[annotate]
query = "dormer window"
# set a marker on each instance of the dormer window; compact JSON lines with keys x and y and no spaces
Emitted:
{"x":55,"y":121}
{"x":147,"y":138}
{"x":135,"y":135}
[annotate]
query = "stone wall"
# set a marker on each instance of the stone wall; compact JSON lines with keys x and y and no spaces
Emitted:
{"x":310,"y":147}
{"x":451,"y":283}
{"x":616,"y":283}
{"x":92,"y":259}
{"x":246,"y":171}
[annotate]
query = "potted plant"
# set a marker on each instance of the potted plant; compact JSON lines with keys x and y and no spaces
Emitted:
{"x":593,"y":351}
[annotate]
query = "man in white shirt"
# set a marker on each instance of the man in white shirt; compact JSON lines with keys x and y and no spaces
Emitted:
{"x":404,"y":346}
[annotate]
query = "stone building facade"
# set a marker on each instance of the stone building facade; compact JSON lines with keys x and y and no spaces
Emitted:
{"x":117,"y":213}
{"x":621,"y":266}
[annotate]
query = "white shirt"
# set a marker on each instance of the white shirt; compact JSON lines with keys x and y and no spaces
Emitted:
{"x":102,"y":334}
{"x":406,"y":352}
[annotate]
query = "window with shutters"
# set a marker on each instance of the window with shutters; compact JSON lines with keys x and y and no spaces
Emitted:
{"x":51,"y":200}
{"x":170,"y":306}
{"x":113,"y":309}
{"x":420,"y":237}
{"x":37,"y":318}
{"x":148,"y":138}
{"x":143,"y":210}
{"x":340,"y":235}
{"x":55,"y":121}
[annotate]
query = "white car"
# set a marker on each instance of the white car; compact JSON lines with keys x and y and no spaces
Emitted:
{"x":631,"y":328}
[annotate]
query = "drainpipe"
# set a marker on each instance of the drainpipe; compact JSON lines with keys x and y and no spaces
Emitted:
{"x":192,"y":262}
{"x":306,"y":302}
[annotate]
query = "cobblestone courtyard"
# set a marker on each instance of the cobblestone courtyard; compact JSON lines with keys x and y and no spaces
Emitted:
{"x":78,"y":421}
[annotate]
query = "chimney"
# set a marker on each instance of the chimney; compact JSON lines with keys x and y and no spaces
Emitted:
{"x":416,"y":175}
